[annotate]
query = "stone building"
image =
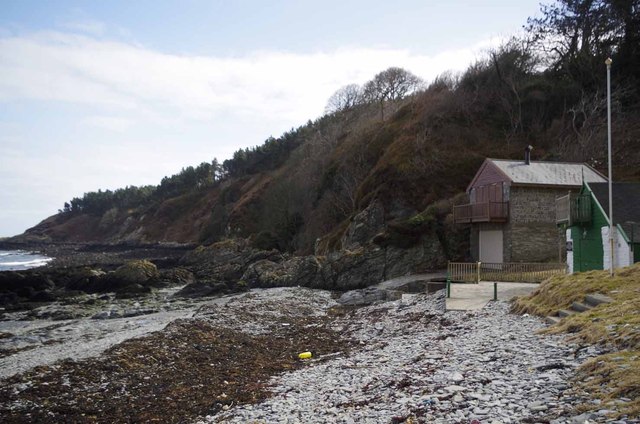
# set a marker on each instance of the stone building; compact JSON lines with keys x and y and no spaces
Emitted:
{"x":511,"y":208}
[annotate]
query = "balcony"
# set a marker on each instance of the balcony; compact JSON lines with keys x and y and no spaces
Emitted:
{"x":573,"y":209}
{"x":481,"y":212}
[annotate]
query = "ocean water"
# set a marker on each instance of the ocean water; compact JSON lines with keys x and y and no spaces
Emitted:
{"x":16,"y":260}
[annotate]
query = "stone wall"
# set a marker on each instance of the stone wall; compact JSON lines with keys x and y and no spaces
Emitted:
{"x":531,"y":234}
{"x":530,"y":204}
{"x":535,"y":242}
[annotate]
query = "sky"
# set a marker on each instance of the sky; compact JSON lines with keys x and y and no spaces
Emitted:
{"x":105,"y":94}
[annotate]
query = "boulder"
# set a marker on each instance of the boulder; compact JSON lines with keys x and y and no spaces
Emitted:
{"x":368,"y":296}
{"x":131,"y":279}
{"x":84,"y":279}
{"x":135,"y":272}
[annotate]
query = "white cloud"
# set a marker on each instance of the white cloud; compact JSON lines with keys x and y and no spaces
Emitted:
{"x":87,"y":26}
{"x":92,"y":113}
{"x":111,"y":123}
{"x":116,"y":75}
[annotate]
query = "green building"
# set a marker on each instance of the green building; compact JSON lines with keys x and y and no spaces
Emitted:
{"x":585,"y":216}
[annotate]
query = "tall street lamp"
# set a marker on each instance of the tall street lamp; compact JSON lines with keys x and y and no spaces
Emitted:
{"x":611,"y":241}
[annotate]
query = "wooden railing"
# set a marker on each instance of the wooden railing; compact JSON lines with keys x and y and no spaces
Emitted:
{"x":464,"y":272}
{"x":573,"y":209}
{"x":474,"y":272}
{"x":481,"y":212}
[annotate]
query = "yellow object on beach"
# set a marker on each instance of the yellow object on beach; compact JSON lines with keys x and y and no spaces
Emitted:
{"x":305,"y":355}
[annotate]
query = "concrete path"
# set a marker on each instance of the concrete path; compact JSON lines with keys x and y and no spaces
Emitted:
{"x":470,"y":297}
{"x":412,"y":283}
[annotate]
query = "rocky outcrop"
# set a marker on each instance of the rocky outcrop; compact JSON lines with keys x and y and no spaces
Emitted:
{"x":428,"y":254}
{"x":219,"y":268}
{"x":229,"y":266}
{"x":226,"y":260}
{"x":297,"y":271}
{"x":364,"y":226}
{"x":346,"y":269}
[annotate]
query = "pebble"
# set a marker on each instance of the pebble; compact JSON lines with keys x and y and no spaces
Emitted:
{"x":416,"y":360}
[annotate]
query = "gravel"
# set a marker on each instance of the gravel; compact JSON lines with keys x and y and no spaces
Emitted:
{"x":416,"y":363}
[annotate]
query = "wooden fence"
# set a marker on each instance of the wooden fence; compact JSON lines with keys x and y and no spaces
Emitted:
{"x":474,"y":272}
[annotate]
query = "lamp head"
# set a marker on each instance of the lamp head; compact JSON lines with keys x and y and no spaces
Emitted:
{"x":608,"y":62}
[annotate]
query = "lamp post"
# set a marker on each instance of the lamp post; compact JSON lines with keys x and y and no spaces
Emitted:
{"x":611,"y":241}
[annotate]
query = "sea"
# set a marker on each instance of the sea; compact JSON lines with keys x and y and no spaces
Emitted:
{"x":17,"y":260}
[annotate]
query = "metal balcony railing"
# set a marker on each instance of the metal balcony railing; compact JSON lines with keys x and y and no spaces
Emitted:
{"x":481,"y":212}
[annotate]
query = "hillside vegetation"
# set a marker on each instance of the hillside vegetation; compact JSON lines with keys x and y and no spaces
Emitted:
{"x":411,"y":146}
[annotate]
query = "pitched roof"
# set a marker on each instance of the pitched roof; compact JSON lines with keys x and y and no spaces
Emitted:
{"x":626,"y":202}
{"x":548,"y":173}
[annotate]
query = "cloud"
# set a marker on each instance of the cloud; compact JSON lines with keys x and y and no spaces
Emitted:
{"x":86,"y":26}
{"x":57,"y":66}
{"x":111,"y":123}
{"x":92,"y":113}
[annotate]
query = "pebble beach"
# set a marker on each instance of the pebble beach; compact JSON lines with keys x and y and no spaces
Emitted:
{"x":417,"y":363}
{"x":235,"y":359}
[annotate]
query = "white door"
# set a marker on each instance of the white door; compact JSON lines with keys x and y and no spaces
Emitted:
{"x":491,"y":246}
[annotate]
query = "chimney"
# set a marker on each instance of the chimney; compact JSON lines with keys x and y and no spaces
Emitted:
{"x":527,"y":155}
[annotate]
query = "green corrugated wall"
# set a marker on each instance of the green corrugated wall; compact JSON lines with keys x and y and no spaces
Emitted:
{"x":587,"y":240}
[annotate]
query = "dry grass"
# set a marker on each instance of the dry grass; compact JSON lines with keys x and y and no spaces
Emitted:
{"x":614,"y":376}
{"x":607,"y":377}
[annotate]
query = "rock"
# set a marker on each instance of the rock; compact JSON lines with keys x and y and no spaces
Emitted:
{"x":455,"y":388}
{"x":202,"y":288}
{"x":364,"y":226}
{"x":43,"y":296}
{"x":137,"y":312}
{"x":367,"y":296}
{"x":344,"y":270}
{"x":132,"y":290}
{"x":227,"y":260}
{"x":178,"y":276}
{"x":537,"y":407}
{"x":456,"y":377}
{"x":348,"y":270}
{"x":102,"y":315}
{"x":8,"y":298}
{"x":297,"y":271}
{"x":135,"y":272}
{"x":427,"y":254}
{"x":582,"y":418}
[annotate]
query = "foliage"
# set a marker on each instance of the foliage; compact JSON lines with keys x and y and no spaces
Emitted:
{"x":345,"y":98}
{"x":268,"y":156}
{"x":578,"y":35}
{"x":96,"y":203}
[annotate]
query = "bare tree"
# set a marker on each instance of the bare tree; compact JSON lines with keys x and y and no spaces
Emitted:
{"x":391,"y":85}
{"x":344,"y":98}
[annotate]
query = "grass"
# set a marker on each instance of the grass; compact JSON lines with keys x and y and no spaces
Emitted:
{"x":614,"y":375}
